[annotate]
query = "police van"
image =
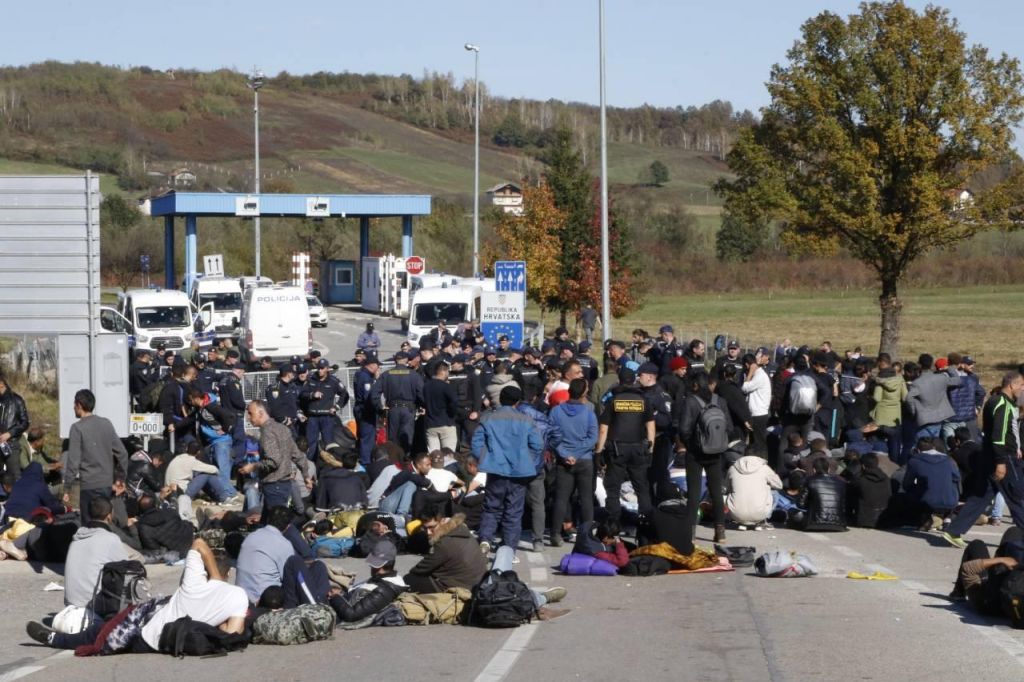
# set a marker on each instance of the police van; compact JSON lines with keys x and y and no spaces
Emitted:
{"x":153,"y":317}
{"x":219,"y":302}
{"x":275,"y":322}
{"x":451,"y":304}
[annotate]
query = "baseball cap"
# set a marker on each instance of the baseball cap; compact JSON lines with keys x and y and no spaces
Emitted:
{"x":666,"y":328}
{"x":547,"y":345}
{"x":369,"y":325}
{"x":648,"y":368}
{"x":359,"y":351}
{"x":322,"y":362}
{"x":233,"y":353}
{"x":412,"y":354}
{"x":370,"y":359}
{"x":734,"y":344}
{"x":941,"y":363}
{"x":295,"y":360}
{"x":384,"y":553}
{"x":490,"y":350}
{"x":763,"y":350}
{"x":460,"y":357}
{"x":529,"y":350}
{"x":503,"y":337}
{"x":968,"y":360}
{"x":627,"y":376}
{"x":285,"y":368}
{"x":198,"y":359}
{"x":585,"y":346}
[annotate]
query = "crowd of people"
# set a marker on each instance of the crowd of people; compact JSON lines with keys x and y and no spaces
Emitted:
{"x":461,"y":449}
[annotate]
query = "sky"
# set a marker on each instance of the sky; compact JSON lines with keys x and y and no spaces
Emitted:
{"x":660,"y":52}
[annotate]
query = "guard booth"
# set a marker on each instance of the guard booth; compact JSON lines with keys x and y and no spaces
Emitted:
{"x":338,"y":281}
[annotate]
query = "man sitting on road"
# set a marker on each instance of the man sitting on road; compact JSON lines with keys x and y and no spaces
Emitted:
{"x":369,"y":598}
{"x":264,"y":552}
{"x":979,"y":579}
{"x":93,"y":546}
{"x":454,"y":560}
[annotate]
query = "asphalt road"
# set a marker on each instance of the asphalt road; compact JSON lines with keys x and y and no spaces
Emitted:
{"x":338,"y":339}
{"x":725,"y":626}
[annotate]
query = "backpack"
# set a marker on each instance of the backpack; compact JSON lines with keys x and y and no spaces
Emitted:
{"x":121,"y":584}
{"x":803,"y":395}
{"x":712,"y":428}
{"x":1011,"y":597}
{"x":332,"y":547}
{"x":151,"y":398}
{"x":187,"y":637}
{"x":435,"y":607}
{"x":302,"y":624}
{"x":501,"y":600}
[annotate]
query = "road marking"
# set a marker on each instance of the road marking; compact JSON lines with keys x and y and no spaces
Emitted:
{"x":915,"y":586}
{"x":881,"y":569}
{"x":819,"y":538}
{"x":335,"y":332}
{"x":847,"y":551}
{"x":535,"y":557}
{"x":26,"y":670}
{"x":501,"y":664}
{"x":538,"y":574}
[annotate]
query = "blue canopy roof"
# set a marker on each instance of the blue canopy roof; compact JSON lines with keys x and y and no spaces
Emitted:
{"x":290,"y":205}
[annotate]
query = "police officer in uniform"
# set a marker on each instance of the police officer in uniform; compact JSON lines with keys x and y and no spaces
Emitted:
{"x":529,"y":373}
{"x":206,"y":378}
{"x":469,"y":397}
{"x":283,"y":399}
{"x":324,"y":395}
{"x":625,"y":438}
{"x":503,"y":347}
{"x":400,"y":391}
{"x":142,"y":374}
{"x":232,"y":397}
{"x":364,"y":410}
{"x":659,"y":402}
{"x":487,"y":366}
{"x":587,"y":363}
{"x":667,"y":349}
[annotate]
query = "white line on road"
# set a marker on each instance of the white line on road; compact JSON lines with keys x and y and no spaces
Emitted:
{"x":535,"y":557}
{"x":501,"y":664}
{"x":881,"y":569}
{"x":27,"y":670}
{"x":538,"y":574}
{"x":915,"y":586}
{"x":819,"y":538}
{"x":847,"y":551}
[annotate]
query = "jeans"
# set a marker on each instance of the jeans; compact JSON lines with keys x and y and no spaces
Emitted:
{"x":998,"y":506}
{"x":892,"y":436}
{"x":928,"y":431}
{"x":318,"y":428}
{"x":578,"y":477}
{"x":503,"y":557}
{"x":503,"y":504}
{"x":537,"y":493}
{"x":212,"y":484}
{"x":625,"y":460}
{"x":983,"y":492}
{"x":713,"y":469}
{"x":253,"y":496}
{"x":86,"y":636}
{"x":400,"y":499}
{"x":222,"y":458}
{"x":442,"y":437}
{"x":276,"y":494}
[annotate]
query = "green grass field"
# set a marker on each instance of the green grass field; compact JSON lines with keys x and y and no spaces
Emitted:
{"x":975,"y":320}
{"x":108,"y":183}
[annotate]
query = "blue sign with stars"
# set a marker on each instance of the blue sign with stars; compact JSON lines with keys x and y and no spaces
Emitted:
{"x":501,"y":314}
{"x":510,"y":275}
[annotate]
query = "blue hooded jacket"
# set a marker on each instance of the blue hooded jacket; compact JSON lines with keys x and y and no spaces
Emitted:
{"x":30,"y":492}
{"x":507,"y":443}
{"x":573,"y":431}
{"x":932,"y":478}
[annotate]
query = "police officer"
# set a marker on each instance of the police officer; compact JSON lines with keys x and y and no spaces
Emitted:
{"x":469,"y":397}
{"x":364,"y":410}
{"x":587,"y":363}
{"x":668,"y":348}
{"x":206,"y":378}
{"x":625,"y":439}
{"x":659,"y":402}
{"x":503,"y":347}
{"x":142,"y":374}
{"x":324,"y":395}
{"x":562,"y":339}
{"x":530,"y":375}
{"x":232,"y":397}
{"x":400,"y":391}
{"x":487,"y":366}
{"x":283,"y":399}
{"x":734,"y":358}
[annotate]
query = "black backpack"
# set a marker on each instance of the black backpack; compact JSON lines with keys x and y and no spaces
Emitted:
{"x":501,"y":600}
{"x":121,"y":584}
{"x":1011,"y":595}
{"x":151,"y":398}
{"x":187,"y":637}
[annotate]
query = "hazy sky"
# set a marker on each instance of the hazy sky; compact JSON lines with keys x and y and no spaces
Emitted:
{"x":662,"y":52}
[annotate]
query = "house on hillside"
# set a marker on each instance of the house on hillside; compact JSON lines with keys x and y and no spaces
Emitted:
{"x":508,"y":196}
{"x":182,"y":177}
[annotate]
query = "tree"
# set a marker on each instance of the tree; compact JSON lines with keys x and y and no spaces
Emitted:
{"x":323,"y":239}
{"x":119,"y":255}
{"x":874,"y":124}
{"x":444,"y":237}
{"x":532,"y":237}
{"x":656,"y":174}
{"x":738,"y":240}
{"x":570,"y":186}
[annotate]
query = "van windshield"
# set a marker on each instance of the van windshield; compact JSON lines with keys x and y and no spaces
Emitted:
{"x":162,"y":316}
{"x":225,"y":300}
{"x":432,"y":313}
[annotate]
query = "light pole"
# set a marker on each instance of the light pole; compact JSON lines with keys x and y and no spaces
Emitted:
{"x":475,"y":49}
{"x":256,"y":82}
{"x":606,"y":308}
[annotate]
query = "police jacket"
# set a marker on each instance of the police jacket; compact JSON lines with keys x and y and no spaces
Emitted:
{"x":141,"y":376}
{"x":667,"y":353}
{"x":398,"y":387}
{"x":231,"y":395}
{"x":589,"y":367}
{"x":362,"y":384}
{"x":530,"y":378}
{"x":283,"y":401}
{"x":13,"y":414}
{"x":329,"y":388}
{"x":659,"y":402}
{"x":172,"y":405}
{"x":206,"y":379}
{"x":468,"y":394}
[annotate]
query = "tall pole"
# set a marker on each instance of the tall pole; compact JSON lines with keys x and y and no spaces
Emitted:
{"x":475,"y":49}
{"x":606,"y":308}
{"x":256,"y":82}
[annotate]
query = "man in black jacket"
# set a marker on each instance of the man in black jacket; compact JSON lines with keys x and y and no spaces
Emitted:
{"x":324,"y":395}
{"x":824,"y":498}
{"x":367,"y":599}
{"x":732,"y":394}
{"x":161,"y":529}
{"x":13,"y":422}
{"x":441,"y":405}
{"x":469,"y":397}
{"x":141,"y":375}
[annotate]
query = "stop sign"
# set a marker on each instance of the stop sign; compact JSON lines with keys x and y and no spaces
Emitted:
{"x":414,"y":265}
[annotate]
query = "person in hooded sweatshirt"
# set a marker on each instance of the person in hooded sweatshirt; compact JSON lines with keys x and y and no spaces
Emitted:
{"x":572,"y":436}
{"x":890,"y":390}
{"x":750,"y":483}
{"x":92,"y":546}
{"x":30,"y":492}
{"x":932,"y":483}
{"x":870,"y":490}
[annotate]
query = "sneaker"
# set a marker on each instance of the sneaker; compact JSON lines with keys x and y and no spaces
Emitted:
{"x":12,"y":552}
{"x":556,"y":541}
{"x":234,"y":501}
{"x":544,"y":613}
{"x":741,"y":526}
{"x":954,"y":540}
{"x":553,"y":595}
{"x":485,"y":548}
{"x":994,"y":521}
{"x":39,"y":632}
{"x":538,"y":546}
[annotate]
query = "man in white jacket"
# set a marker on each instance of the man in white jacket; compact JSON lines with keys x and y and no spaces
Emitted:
{"x":750,"y":483}
{"x":758,"y":389}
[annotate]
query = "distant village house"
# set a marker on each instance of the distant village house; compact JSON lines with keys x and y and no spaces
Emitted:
{"x":508,"y":196}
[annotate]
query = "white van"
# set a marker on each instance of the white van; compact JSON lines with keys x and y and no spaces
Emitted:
{"x":275,"y":323}
{"x":157,"y":316}
{"x":451,"y":304}
{"x":222,"y":297}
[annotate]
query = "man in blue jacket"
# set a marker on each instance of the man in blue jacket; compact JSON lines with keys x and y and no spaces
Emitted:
{"x":509,"y":449}
{"x":932,"y":483}
{"x":572,"y":436}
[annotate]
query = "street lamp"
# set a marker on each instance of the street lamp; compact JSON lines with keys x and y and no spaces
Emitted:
{"x":256,"y":82}
{"x":606,"y":308}
{"x":475,"y":49}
